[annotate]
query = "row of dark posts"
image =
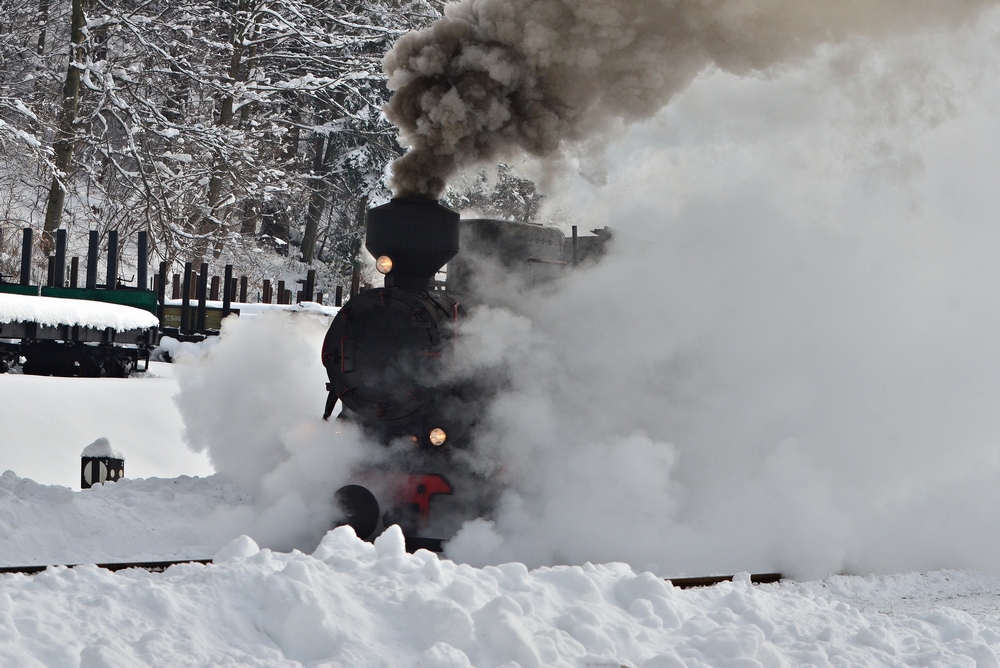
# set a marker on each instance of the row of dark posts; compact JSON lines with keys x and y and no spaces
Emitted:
{"x":192,"y":286}
{"x":57,"y":262}
{"x":197,"y":286}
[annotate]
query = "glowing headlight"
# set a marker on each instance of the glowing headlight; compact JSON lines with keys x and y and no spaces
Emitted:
{"x":383,"y":264}
{"x":438,"y":436}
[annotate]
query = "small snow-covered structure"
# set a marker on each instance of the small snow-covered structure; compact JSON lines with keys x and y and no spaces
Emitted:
{"x":100,"y":463}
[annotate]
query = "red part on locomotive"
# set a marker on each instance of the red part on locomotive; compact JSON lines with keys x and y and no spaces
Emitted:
{"x":417,"y":490}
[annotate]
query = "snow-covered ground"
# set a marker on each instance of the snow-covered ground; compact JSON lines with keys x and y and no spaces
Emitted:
{"x":352,"y":603}
{"x":57,"y":417}
{"x":345,"y":602}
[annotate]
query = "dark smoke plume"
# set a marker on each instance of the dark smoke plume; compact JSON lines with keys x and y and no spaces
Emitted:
{"x":493,"y":78}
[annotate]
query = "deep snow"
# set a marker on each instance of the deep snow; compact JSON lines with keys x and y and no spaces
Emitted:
{"x":345,"y":602}
{"x":48,"y":422}
{"x":352,"y":603}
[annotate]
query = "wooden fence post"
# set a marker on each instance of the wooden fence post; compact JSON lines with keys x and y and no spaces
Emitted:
{"x":112,"y":282}
{"x":227,"y":290}
{"x":161,"y":290}
{"x":202,"y":295}
{"x":26,"y":249}
{"x":186,"y":300}
{"x":310,"y":286}
{"x":142,"y":258}
{"x":59,"y":273}
{"x":92,"y":261}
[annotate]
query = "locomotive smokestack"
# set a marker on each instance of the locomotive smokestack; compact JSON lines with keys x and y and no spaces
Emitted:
{"x":411,"y":238}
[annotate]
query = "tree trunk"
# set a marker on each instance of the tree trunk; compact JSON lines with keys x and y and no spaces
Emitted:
{"x":207,"y":222}
{"x":43,"y":22}
{"x":323,"y":157}
{"x":356,"y":262}
{"x":66,"y":137}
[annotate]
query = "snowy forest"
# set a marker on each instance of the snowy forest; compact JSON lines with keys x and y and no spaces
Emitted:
{"x":246,"y":132}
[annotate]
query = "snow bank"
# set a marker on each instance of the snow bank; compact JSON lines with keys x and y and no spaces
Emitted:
{"x":54,"y":311}
{"x":129,"y":520}
{"x":352,"y":603}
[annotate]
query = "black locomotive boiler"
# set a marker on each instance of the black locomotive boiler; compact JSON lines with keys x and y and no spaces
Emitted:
{"x":388,"y":351}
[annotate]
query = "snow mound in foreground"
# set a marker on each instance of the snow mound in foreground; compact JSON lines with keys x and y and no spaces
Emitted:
{"x":352,"y":603}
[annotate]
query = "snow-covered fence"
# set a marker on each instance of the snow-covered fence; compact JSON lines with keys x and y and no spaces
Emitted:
{"x":201,"y":300}
{"x":56,"y":277}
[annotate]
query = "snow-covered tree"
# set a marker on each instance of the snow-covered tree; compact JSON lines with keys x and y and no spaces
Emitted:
{"x":498,"y":193}
{"x":212,"y":124}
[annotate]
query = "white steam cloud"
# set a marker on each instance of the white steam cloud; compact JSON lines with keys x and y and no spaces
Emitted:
{"x":790,"y":361}
{"x":493,"y":78}
{"x":255,"y":405}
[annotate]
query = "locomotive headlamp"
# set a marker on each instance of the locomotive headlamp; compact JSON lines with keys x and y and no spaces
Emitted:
{"x":383,"y":264}
{"x":438,"y":437}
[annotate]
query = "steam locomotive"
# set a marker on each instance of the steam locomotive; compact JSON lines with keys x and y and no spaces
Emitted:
{"x":388,"y":357}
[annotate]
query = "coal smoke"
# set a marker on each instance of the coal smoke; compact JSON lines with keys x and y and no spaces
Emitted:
{"x":496,"y":78}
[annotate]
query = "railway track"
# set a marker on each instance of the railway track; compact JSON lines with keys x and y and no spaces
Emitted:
{"x":152,"y":566}
{"x":160,"y":566}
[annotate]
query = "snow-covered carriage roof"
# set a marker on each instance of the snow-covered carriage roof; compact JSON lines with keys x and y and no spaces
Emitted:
{"x":54,"y":311}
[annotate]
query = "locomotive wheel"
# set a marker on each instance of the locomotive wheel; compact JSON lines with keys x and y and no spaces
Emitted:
{"x":360,"y":508}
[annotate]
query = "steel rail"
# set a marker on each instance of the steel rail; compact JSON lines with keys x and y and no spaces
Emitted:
{"x":160,"y":566}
